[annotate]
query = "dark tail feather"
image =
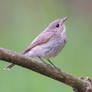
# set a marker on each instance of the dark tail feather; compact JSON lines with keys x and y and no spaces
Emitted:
{"x":9,"y":66}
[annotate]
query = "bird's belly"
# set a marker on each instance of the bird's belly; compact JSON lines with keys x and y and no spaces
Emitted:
{"x":52,"y":51}
{"x":52,"y":48}
{"x":47,"y":50}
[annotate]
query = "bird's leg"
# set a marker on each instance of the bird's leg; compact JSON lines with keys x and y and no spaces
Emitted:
{"x":42,"y":59}
{"x":48,"y":61}
{"x":51,"y":62}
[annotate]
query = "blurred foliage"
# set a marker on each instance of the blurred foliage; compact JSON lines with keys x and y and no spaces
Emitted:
{"x":22,"y":20}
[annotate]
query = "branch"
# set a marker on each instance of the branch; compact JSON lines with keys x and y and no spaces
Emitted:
{"x":46,"y":69}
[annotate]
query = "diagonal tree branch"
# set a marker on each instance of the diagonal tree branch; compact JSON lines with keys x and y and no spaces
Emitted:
{"x":45,"y":69}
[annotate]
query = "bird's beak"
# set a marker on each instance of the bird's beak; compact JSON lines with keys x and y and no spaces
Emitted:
{"x":63,"y":20}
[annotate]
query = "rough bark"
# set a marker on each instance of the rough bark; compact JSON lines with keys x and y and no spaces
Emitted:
{"x":79,"y":84}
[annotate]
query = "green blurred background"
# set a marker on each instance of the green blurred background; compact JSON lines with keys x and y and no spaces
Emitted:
{"x":22,"y":20}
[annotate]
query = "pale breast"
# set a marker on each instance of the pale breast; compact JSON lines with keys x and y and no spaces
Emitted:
{"x":54,"y":46}
{"x":49,"y":49}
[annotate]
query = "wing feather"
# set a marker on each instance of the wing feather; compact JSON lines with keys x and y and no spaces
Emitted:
{"x":41,"y":39}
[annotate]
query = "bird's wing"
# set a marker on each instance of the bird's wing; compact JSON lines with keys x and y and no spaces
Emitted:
{"x":41,"y":39}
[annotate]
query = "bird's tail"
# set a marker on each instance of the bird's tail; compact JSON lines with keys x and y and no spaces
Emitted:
{"x":9,"y":66}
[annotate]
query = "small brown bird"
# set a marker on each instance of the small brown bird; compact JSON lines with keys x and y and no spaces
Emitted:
{"x":48,"y":43}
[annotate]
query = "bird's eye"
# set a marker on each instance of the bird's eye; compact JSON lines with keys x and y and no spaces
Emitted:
{"x":57,"y":25}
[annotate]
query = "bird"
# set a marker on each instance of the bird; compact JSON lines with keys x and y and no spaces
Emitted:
{"x":48,"y":43}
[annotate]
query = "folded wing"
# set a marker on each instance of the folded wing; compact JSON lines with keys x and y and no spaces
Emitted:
{"x":41,"y":39}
